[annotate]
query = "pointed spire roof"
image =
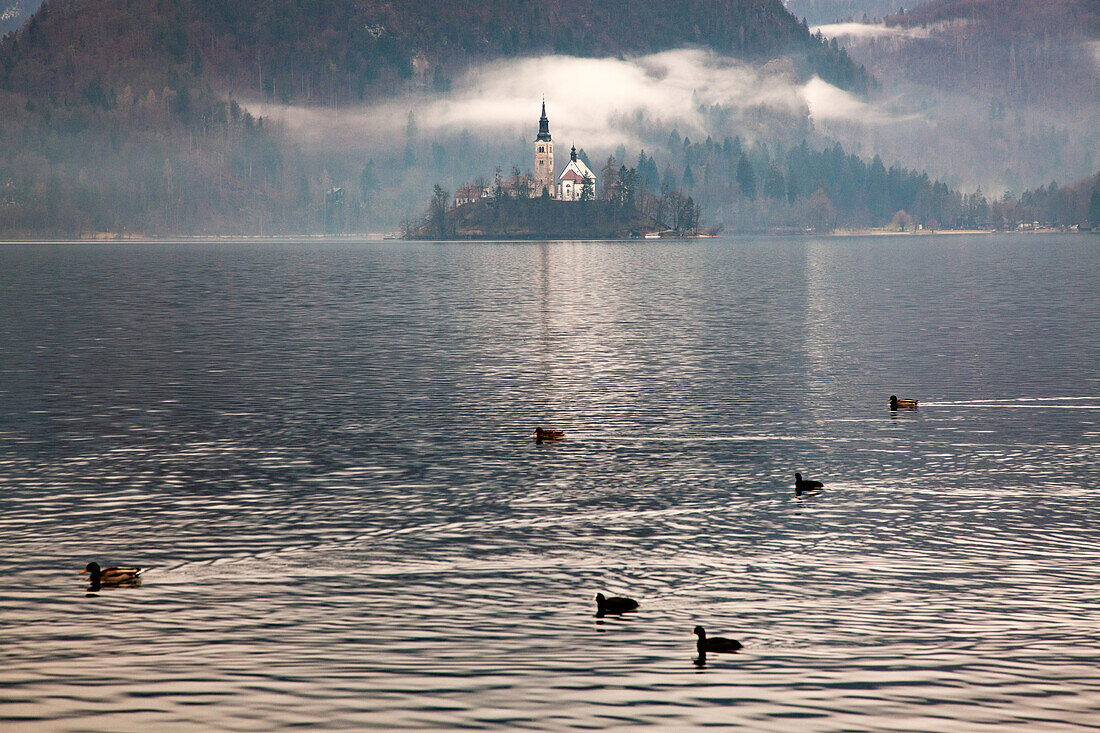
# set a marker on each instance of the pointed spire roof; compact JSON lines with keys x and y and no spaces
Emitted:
{"x":544,"y":125}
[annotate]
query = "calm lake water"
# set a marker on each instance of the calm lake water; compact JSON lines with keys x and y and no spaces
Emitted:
{"x":322,"y":453}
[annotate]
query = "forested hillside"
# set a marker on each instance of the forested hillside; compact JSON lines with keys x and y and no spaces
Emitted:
{"x":327,"y":52}
{"x":760,"y":188}
{"x":831,"y":11}
{"x":1028,"y":50}
{"x":1002,"y":94}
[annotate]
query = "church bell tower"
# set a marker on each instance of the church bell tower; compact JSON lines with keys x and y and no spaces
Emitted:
{"x":544,"y":158}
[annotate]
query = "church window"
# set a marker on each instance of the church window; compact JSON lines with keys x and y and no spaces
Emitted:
{"x":542,"y":149}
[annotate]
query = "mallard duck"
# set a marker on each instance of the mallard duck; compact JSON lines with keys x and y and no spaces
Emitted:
{"x":716,"y":644}
{"x":614,"y":604}
{"x":902,"y":403}
{"x":801,"y":485}
{"x":541,"y":434}
{"x":112,"y":576}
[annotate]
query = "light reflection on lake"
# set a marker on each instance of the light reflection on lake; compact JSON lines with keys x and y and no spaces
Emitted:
{"x":322,"y":453}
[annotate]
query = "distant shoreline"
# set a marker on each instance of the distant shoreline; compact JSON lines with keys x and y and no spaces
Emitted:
{"x":934,"y":232}
{"x":105,"y":238}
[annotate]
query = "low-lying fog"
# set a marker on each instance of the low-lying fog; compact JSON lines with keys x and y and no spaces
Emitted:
{"x":489,"y":118}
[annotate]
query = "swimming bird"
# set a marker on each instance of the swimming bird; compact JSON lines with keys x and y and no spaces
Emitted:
{"x":801,"y":485}
{"x":902,"y":403}
{"x":541,"y":435}
{"x":112,"y":576}
{"x":715,"y":644}
{"x":614,"y":604}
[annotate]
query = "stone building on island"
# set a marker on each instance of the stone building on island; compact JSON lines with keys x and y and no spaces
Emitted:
{"x":569,"y":185}
{"x":572,"y":181}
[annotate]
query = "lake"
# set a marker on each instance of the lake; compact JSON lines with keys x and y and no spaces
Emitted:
{"x":322,"y":453}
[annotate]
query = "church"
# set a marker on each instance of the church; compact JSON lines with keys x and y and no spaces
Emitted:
{"x":570,"y":184}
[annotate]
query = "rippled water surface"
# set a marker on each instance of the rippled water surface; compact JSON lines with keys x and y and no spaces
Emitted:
{"x":322,"y":453}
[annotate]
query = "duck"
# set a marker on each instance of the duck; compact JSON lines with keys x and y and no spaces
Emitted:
{"x":113,"y":575}
{"x":801,"y":485}
{"x":541,"y":434}
{"x":902,"y":403}
{"x":614,"y":604}
{"x":716,"y":644}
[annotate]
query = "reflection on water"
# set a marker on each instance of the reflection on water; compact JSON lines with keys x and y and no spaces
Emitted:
{"x":323,"y":454}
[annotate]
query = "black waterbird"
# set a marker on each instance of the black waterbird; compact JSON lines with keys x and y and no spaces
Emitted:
{"x":614,"y":604}
{"x":801,"y":484}
{"x":716,"y":644}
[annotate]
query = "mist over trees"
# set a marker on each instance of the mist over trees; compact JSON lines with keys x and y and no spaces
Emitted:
{"x":1027,"y":51}
{"x":203,"y":165}
{"x":117,"y":118}
{"x":163,"y":162}
{"x":752,"y":187}
{"x":1001,"y":94}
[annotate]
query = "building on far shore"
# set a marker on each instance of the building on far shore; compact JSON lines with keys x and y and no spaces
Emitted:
{"x":568,"y":186}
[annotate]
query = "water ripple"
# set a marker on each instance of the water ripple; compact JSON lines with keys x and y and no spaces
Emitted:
{"x":322,"y":454}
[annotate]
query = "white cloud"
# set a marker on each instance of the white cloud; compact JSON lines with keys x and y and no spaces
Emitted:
{"x":864,"y":31}
{"x":594,"y":102}
{"x":828,"y":103}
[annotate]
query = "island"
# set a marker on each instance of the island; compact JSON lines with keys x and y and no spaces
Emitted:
{"x":568,"y":205}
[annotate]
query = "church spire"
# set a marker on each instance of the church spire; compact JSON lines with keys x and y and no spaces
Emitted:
{"x":573,"y":154}
{"x":544,"y":124}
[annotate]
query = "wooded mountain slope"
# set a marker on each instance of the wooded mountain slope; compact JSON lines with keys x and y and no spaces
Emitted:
{"x":323,"y":52}
{"x":1032,"y":50}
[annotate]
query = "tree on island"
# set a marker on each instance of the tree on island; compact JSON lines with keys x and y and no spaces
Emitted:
{"x":608,"y":174}
{"x":626,"y":184}
{"x":522,"y":184}
{"x":437,"y":210}
{"x":588,"y":190}
{"x":506,"y":208}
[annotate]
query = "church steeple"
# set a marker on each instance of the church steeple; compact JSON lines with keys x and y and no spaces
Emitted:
{"x":544,"y":125}
{"x":573,"y":154}
{"x":545,"y":183}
